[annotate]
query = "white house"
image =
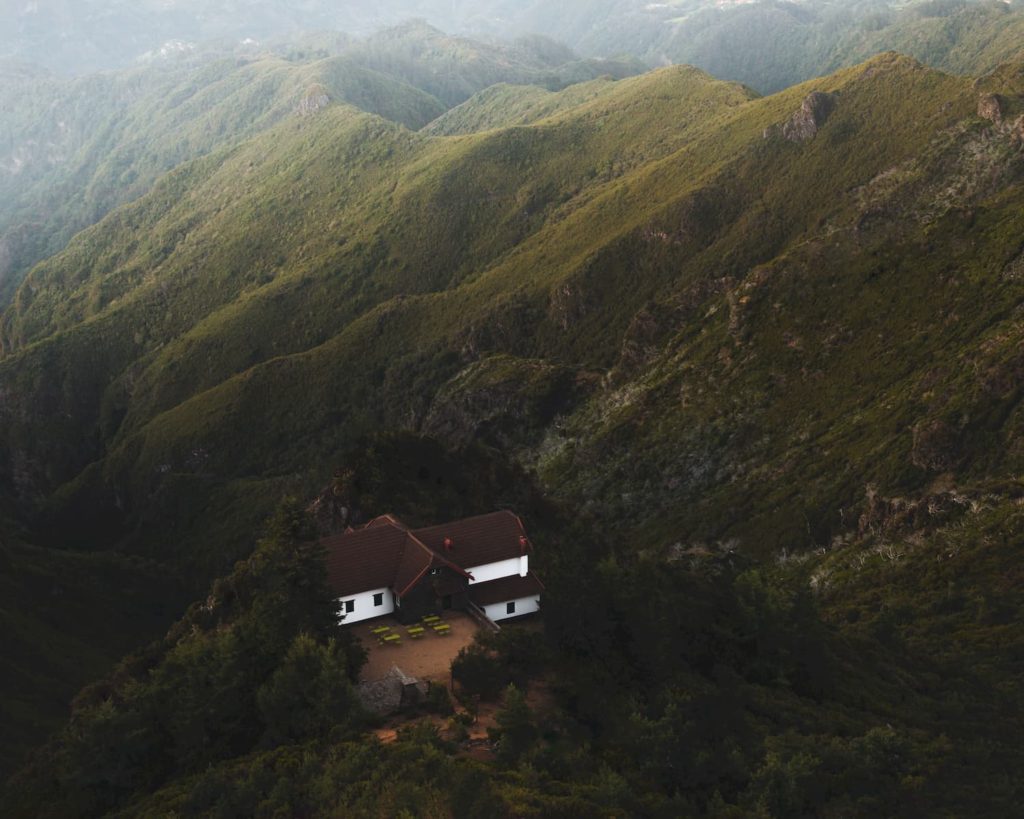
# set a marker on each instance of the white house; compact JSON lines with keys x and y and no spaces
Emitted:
{"x":387,"y":568}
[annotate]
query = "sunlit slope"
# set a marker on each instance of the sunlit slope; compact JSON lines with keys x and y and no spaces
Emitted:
{"x":78,"y":149}
{"x":71,"y":150}
{"x":504,"y":105}
{"x":759,"y":328}
{"x":275,"y":247}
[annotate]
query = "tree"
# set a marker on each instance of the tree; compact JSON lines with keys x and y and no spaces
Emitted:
{"x":478,"y":672}
{"x":309,"y":693}
{"x":516,"y":730}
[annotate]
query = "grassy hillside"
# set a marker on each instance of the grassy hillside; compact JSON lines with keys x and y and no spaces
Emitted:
{"x":642,"y":237}
{"x":72,"y":150}
{"x":717,"y":327}
{"x":773,"y":44}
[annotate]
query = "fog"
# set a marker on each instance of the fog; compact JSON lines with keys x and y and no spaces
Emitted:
{"x":765,"y":43}
{"x":80,"y":36}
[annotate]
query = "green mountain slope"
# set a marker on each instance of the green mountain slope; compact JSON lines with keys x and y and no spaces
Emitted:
{"x":73,"y":150}
{"x":711,"y":324}
{"x":310,"y":297}
{"x":100,"y":142}
{"x":774,"y":44}
{"x":243,"y":297}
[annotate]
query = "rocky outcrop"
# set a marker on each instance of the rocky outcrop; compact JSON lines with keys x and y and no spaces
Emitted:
{"x":990,"y":107}
{"x":396,"y":692}
{"x":501,"y":400}
{"x":331,"y":509}
{"x":1017,"y":130}
{"x":569,"y":303}
{"x":816,"y":108}
{"x":892,"y":516}
{"x":1014,"y":270}
{"x":655,"y":323}
{"x":315,"y":100}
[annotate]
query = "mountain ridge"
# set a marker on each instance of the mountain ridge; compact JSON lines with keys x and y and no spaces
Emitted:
{"x":714,"y":338}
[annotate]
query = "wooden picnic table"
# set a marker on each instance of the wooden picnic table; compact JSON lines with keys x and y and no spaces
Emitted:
{"x":380,"y":630}
{"x":415,"y":629}
{"x":431,"y":619}
{"x":442,"y":628}
{"x":395,"y":639}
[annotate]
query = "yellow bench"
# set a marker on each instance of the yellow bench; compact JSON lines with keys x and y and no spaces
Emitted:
{"x":394,"y":639}
{"x":442,"y":628}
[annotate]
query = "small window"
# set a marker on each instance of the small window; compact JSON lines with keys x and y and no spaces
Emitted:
{"x":350,"y":606}
{"x":378,"y":599}
{"x":510,"y":608}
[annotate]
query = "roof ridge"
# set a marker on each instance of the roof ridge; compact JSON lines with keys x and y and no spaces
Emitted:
{"x":508,"y":512}
{"x":434,"y":553}
{"x":388,"y":518}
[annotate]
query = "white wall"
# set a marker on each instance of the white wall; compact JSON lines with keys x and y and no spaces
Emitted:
{"x":364,"y":608}
{"x":524,"y":605}
{"x":503,"y":568}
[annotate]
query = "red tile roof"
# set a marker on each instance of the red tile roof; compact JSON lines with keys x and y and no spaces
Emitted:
{"x":364,"y":559}
{"x":479,"y":540}
{"x":383,"y":554}
{"x":504,"y":589}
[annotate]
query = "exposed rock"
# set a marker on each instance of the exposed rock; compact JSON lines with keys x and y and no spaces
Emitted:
{"x":640,"y":343}
{"x":805,"y":123}
{"x":315,"y":100}
{"x":1014,"y":271}
{"x":502,"y":400}
{"x":569,"y":303}
{"x":654,"y":324}
{"x":395,"y":692}
{"x":1017,"y":129}
{"x":892,"y":516}
{"x":331,"y":509}
{"x":990,"y":107}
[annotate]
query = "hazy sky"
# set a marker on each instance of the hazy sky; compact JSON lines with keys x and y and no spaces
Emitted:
{"x":77,"y":36}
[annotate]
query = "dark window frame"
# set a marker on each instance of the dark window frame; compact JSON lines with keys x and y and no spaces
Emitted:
{"x":350,"y":606}
{"x":510,"y":607}
{"x":378,"y":599}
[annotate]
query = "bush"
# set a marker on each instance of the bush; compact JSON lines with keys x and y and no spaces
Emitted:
{"x":438,"y":700}
{"x":479,"y":672}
